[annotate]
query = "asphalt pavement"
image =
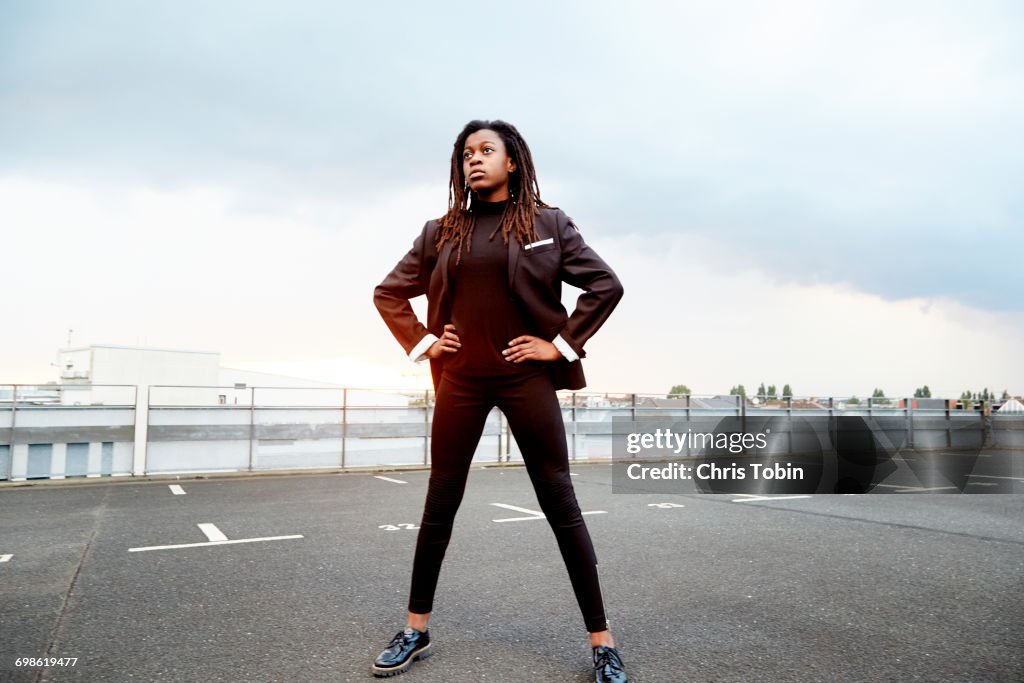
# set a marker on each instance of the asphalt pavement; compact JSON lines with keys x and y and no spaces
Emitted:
{"x":305,"y":578}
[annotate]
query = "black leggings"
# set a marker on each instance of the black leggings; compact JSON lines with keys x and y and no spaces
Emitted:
{"x":535,"y":418}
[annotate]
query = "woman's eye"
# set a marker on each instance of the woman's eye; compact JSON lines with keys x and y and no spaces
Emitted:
{"x":488,"y":149}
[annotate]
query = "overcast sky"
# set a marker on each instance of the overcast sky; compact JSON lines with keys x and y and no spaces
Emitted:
{"x":824,"y":194}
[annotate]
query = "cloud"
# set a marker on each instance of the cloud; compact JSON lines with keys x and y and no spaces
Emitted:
{"x":867,"y":147}
{"x":682,"y":321}
{"x":291,"y":293}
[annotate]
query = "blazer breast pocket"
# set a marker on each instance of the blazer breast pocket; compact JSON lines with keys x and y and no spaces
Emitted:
{"x":540,"y":246}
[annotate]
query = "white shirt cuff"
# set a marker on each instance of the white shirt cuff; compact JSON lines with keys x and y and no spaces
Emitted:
{"x":418,"y":352}
{"x":564,"y":348}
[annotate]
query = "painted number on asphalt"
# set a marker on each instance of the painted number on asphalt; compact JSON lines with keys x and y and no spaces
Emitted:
{"x":665,"y":506}
{"x":397,"y":527}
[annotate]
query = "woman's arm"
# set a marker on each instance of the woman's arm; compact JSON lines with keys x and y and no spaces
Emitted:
{"x":583,"y":268}
{"x":407,"y":280}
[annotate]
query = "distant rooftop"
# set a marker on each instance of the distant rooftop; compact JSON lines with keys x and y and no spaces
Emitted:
{"x":137,"y":348}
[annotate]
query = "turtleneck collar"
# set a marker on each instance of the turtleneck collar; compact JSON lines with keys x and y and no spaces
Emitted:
{"x":482,"y":207}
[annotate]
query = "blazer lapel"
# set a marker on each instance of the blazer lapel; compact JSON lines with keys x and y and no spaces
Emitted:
{"x":442,"y":263}
{"x":513,"y":258}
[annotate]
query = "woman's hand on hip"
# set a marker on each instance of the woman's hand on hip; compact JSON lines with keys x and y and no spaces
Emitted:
{"x":528,"y":347}
{"x":448,"y":343}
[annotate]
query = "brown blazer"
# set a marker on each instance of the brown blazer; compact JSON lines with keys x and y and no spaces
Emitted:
{"x":535,"y":277}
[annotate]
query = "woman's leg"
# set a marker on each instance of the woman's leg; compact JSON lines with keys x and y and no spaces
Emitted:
{"x":459,"y":416}
{"x":535,"y":418}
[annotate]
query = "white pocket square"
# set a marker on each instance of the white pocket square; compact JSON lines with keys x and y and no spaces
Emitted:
{"x":540,"y":243}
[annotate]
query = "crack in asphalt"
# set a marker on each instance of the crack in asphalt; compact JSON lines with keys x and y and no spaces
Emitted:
{"x":44,"y":674}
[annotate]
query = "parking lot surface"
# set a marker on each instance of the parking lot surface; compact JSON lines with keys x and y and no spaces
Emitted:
{"x":305,"y":578}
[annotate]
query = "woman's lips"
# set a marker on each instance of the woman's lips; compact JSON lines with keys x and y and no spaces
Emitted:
{"x":476,"y":174}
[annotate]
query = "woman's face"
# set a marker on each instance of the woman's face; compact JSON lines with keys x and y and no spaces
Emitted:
{"x":486,"y":165}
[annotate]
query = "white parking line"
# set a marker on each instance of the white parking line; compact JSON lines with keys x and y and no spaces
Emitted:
{"x":518,"y":509}
{"x":753,"y":497}
{"x":177,"y":490}
{"x":197,"y":545}
{"x":212,"y":532}
{"x":992,"y":476}
{"x":534,"y":514}
{"x":919,"y":489}
{"x":912,"y":489}
{"x":395,"y":481}
{"x":5,"y":558}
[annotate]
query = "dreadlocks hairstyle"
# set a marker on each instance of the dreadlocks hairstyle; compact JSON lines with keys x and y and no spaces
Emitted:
{"x":524,"y":204}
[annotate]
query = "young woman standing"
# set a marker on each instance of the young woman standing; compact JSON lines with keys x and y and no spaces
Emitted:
{"x":498,"y":335}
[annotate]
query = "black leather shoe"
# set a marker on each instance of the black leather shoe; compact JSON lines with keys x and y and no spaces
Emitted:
{"x":608,"y":667}
{"x":405,"y":648}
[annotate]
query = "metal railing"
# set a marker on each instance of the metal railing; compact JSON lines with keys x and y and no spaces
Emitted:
{"x":76,"y":430}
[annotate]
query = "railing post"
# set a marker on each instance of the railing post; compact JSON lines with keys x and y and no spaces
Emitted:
{"x":789,"y":425}
{"x":949,"y":428}
{"x":135,"y":428}
{"x":910,"y":422}
{"x":503,"y":430}
{"x":140,"y":464}
{"x":14,"y":413}
{"x":344,"y":424}
{"x":252,"y":422}
{"x":981,"y":416}
{"x":426,"y":426}
{"x":689,"y":421}
{"x":573,"y":413}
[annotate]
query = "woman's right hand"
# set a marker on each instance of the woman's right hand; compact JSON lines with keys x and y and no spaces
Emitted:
{"x":448,"y":343}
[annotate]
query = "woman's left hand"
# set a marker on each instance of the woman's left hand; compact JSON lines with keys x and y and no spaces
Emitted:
{"x":528,"y":347}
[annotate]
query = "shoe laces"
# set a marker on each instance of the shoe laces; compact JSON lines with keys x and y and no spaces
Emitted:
{"x":400,"y":639}
{"x":606,"y":657}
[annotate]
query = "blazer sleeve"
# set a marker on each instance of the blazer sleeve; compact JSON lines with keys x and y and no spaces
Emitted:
{"x":583,"y":268}
{"x":407,"y":280}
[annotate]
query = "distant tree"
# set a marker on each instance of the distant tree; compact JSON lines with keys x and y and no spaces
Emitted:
{"x":965,"y":396}
{"x":679,"y":389}
{"x":923,"y":392}
{"x":738,"y":390}
{"x":877,"y":393}
{"x":771,"y":391}
{"x":787,"y":391}
{"x":854,"y":401}
{"x":761,"y":391}
{"x":985,"y":395}
{"x":1006,"y":395}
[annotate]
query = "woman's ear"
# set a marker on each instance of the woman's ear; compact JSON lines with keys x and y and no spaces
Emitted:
{"x":510,"y":165}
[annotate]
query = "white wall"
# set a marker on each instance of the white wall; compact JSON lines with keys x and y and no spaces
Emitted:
{"x":126,"y":365}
